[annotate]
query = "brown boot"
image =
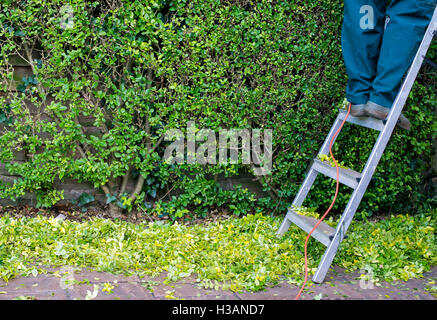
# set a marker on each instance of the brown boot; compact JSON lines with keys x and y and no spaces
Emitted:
{"x":357,"y":110}
{"x":379,"y":112}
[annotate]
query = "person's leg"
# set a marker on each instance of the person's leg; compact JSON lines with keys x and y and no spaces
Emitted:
{"x":362,"y":31}
{"x":408,"y":22}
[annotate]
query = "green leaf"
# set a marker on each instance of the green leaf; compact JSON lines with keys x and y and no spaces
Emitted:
{"x":85,"y":199}
{"x":110,"y":198}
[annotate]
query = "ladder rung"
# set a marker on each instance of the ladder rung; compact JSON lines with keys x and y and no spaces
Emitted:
{"x":323,"y":232}
{"x":367,"y":122}
{"x":347,"y":177}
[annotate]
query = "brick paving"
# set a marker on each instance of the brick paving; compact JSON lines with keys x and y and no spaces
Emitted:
{"x":58,"y":285}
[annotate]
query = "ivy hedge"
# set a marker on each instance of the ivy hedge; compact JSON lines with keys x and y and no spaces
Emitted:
{"x":139,"y":68}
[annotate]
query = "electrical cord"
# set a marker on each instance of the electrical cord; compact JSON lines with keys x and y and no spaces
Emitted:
{"x":330,"y":207}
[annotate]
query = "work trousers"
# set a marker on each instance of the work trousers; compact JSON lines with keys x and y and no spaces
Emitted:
{"x":379,"y":42}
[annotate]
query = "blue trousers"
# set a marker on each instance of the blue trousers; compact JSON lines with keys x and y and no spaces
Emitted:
{"x":377,"y":59}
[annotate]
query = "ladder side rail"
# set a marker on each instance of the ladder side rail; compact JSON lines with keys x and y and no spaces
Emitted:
{"x":298,"y":200}
{"x":312,"y":174}
{"x":310,"y":178}
{"x":325,"y":147}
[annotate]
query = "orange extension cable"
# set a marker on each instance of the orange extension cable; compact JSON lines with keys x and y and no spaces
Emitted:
{"x":330,"y":207}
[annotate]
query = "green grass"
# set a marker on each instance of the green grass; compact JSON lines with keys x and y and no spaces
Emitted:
{"x":236,"y":254}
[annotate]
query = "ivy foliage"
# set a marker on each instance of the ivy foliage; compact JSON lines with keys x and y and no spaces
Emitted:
{"x":236,"y":254}
{"x":135,"y":69}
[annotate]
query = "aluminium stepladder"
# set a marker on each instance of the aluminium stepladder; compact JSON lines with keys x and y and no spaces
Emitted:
{"x":324,"y":233}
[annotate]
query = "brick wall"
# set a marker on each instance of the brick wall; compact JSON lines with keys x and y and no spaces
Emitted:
{"x":73,"y":189}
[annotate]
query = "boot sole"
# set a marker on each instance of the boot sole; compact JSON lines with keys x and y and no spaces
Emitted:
{"x":403,"y":122}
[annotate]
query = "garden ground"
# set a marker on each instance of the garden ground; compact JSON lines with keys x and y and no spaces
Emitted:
{"x":338,"y":285}
{"x":71,"y":257}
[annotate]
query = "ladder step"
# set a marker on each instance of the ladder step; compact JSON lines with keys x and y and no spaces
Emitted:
{"x":347,"y":177}
{"x":367,"y":122}
{"x":323,"y":232}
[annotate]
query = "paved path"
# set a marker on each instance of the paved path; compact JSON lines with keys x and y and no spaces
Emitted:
{"x":338,"y":285}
